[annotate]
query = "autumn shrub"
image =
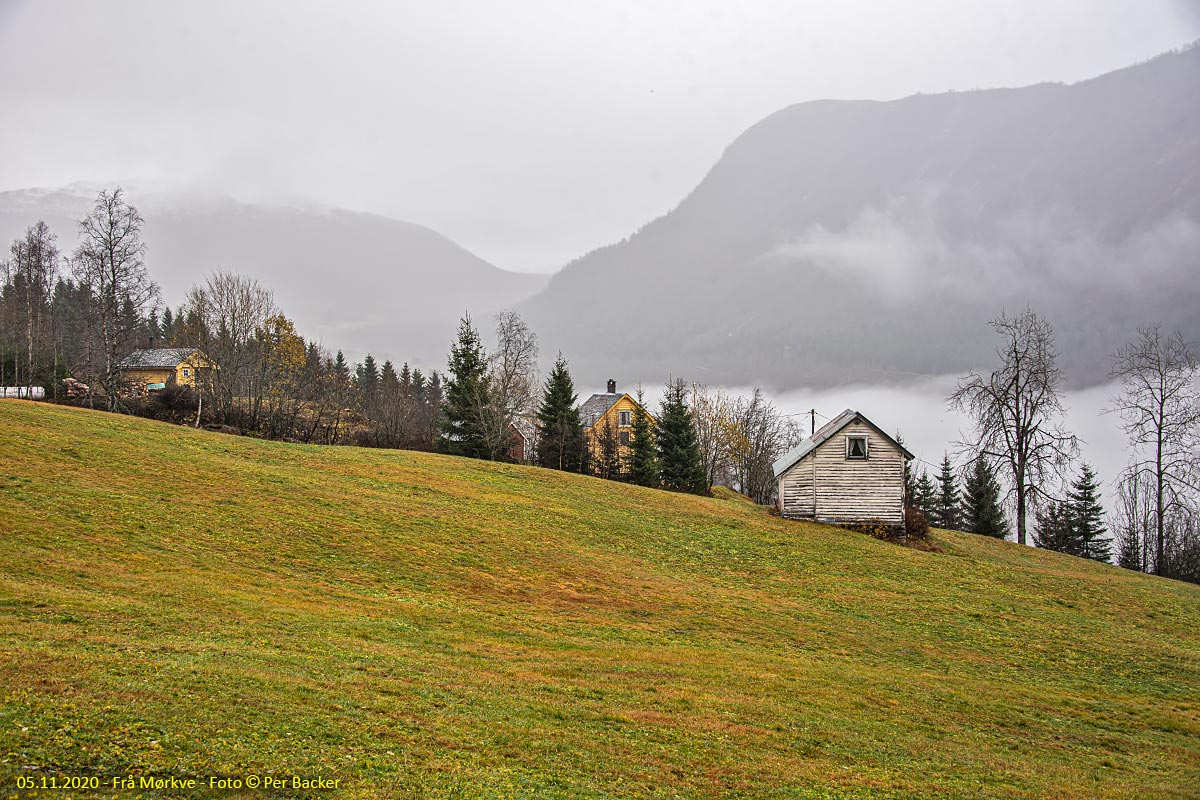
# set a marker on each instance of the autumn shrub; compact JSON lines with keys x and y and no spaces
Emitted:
{"x":915,"y":524}
{"x":877,"y":529}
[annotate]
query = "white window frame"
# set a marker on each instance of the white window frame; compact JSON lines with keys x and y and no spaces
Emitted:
{"x":187,"y":373}
{"x":866,"y":440}
{"x":624,"y":419}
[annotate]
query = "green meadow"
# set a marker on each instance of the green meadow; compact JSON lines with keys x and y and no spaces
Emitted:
{"x":182,"y":603}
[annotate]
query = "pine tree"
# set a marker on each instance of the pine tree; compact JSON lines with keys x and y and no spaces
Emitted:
{"x":466,"y":393}
{"x":643,"y":452}
{"x":679,"y":461}
{"x":926,"y":495}
{"x":982,"y":513}
{"x":560,"y":431}
{"x":945,"y":508}
{"x":1087,"y":517}
{"x":1054,"y":529}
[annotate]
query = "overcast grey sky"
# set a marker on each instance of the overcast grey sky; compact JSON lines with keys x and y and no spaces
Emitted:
{"x":529,"y":132}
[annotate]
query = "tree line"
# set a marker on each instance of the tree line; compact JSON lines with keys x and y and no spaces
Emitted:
{"x":70,"y":320}
{"x":699,"y":437}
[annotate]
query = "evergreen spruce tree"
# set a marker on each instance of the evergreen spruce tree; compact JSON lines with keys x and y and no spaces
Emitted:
{"x":1087,"y":517}
{"x":168,"y":327}
{"x":946,"y":514}
{"x":1053,"y":529}
{"x":926,"y":495}
{"x":465,"y":394}
{"x":679,"y":461}
{"x":341,"y":369}
{"x":560,"y":430}
{"x":982,"y":513}
{"x":389,"y":381}
{"x":366,"y":379}
{"x":643,"y":451}
{"x":910,"y":486}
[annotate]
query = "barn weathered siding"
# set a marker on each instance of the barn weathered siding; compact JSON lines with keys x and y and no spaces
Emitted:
{"x":798,"y":490}
{"x":826,"y":486}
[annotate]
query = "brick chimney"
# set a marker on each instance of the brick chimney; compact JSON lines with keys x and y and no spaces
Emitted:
{"x":612,"y":386}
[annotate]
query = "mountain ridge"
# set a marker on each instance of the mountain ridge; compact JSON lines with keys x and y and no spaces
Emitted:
{"x":975,"y":201}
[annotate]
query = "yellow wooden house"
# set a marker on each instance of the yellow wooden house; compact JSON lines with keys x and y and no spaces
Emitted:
{"x":149,"y":370}
{"x":611,"y":413}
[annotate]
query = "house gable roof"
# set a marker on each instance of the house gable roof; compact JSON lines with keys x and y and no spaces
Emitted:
{"x":596,"y":406}
{"x":158,"y":358}
{"x":824,"y":434}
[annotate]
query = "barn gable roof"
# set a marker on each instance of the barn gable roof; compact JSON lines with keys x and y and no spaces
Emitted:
{"x":824,"y":434}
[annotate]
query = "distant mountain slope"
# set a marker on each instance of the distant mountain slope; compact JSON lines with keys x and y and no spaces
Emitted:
{"x":356,"y":281}
{"x":864,"y":241}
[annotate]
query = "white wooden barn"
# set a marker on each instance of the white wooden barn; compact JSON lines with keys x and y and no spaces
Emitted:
{"x":847,"y":471}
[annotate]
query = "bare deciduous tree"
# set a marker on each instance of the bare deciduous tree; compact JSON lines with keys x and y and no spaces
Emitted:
{"x":225,"y":317}
{"x":1159,"y":405}
{"x":1132,"y":523}
{"x":110,"y":262}
{"x":35,"y":261}
{"x":713,"y":417}
{"x":760,"y":434}
{"x":512,"y":384}
{"x":1017,"y":411}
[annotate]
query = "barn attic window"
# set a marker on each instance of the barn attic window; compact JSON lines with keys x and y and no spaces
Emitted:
{"x":856,"y":447}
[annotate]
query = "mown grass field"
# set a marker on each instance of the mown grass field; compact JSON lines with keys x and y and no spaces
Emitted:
{"x":180,"y":602}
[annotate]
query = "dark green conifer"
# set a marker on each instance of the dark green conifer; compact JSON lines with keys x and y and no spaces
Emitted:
{"x":679,"y":461}
{"x":946,"y":507}
{"x":1087,"y":517}
{"x":366,"y":379}
{"x":982,"y":512}
{"x":910,"y":485}
{"x":926,"y":495}
{"x":643,"y":451}
{"x":465,"y":394}
{"x":560,"y":431}
{"x":1053,"y":529}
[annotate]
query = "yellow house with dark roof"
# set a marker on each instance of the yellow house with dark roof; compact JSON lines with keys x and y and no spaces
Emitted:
{"x":611,"y":412}
{"x":166,"y":366}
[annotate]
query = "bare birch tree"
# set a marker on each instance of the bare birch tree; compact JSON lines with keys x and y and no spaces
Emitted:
{"x":1017,"y":411}
{"x":1159,"y":405}
{"x":228,"y":312}
{"x":110,"y":262}
{"x":760,"y":434}
{"x":35,"y":258}
{"x":713,"y":419}
{"x":512,"y":384}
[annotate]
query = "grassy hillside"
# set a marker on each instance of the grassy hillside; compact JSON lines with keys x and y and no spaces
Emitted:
{"x":189,"y":603}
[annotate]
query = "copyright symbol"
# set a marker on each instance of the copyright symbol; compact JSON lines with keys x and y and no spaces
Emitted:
{"x":251,"y":781}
